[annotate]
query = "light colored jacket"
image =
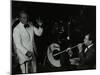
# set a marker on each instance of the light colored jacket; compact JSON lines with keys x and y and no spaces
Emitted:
{"x":24,"y":40}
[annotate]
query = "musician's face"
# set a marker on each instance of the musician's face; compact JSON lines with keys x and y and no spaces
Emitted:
{"x":86,"y":40}
{"x":23,"y":18}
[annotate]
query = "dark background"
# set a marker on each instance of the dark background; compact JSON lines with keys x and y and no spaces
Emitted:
{"x":82,"y":19}
{"x":81,"y":16}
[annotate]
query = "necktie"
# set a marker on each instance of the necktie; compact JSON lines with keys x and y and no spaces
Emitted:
{"x":26,"y":25}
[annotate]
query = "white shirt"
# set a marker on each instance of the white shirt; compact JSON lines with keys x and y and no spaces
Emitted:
{"x":88,"y":47}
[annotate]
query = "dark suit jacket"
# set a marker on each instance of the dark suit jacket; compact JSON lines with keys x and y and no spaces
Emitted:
{"x":88,"y":59}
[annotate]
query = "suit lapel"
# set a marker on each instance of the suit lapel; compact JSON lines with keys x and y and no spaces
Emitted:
{"x":88,"y":50}
{"x":24,"y":32}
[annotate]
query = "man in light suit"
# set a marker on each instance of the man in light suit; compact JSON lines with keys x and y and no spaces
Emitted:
{"x":23,"y":36}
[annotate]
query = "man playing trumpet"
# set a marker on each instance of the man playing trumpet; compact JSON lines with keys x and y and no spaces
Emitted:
{"x":87,"y":56}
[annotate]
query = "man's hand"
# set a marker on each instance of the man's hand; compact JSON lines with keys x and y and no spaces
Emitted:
{"x":39,"y":22}
{"x":29,"y":54}
{"x":70,"y":53}
{"x":80,"y":47}
{"x":68,"y":49}
{"x":30,"y":23}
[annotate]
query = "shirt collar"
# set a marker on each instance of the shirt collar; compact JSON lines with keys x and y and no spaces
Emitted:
{"x":21,"y":24}
{"x":90,"y":45}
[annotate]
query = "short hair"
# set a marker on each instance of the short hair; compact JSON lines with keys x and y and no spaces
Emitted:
{"x":92,"y":36}
{"x":23,"y":12}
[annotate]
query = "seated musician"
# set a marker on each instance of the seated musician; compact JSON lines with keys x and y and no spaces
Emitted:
{"x":88,"y":55}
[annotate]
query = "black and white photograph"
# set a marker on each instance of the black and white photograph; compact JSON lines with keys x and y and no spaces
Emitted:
{"x":52,"y":37}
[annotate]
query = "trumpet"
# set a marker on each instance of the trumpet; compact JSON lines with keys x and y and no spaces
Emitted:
{"x":66,"y":50}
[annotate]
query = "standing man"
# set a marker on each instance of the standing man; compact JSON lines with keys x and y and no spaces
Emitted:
{"x":88,"y":55}
{"x":23,"y":36}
